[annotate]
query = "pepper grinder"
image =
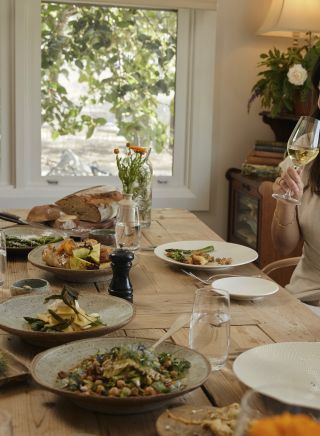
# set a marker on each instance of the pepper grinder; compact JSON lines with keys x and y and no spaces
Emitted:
{"x":120,"y":285}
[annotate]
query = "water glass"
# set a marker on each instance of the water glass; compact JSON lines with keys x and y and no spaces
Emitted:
{"x":210,"y":325}
{"x":3,"y":257}
{"x":127,"y":229}
{"x":5,"y":424}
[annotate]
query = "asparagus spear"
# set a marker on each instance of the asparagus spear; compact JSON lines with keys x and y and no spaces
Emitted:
{"x":179,"y":254}
{"x":207,"y":249}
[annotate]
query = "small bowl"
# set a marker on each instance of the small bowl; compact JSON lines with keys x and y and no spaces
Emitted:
{"x":27,"y":286}
{"x":104,"y":236}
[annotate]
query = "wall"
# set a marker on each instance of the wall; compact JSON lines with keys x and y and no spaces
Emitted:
{"x":237,"y":54}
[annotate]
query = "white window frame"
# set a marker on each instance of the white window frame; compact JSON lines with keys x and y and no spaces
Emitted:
{"x":189,"y":187}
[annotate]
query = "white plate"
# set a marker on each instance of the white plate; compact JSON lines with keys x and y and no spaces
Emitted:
{"x":239,"y":254}
{"x":293,"y":365}
{"x":246,"y":288}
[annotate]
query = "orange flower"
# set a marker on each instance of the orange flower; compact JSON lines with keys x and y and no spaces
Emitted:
{"x":286,"y":424}
{"x":136,"y":148}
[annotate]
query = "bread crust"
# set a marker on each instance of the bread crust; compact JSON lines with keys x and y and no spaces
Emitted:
{"x":96,"y":204}
{"x":46,"y":212}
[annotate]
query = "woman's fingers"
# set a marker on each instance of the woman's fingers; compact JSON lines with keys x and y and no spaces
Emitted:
{"x":291,"y":179}
{"x":278,"y":185}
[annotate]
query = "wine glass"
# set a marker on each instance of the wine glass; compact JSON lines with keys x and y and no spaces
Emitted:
{"x":303,"y":146}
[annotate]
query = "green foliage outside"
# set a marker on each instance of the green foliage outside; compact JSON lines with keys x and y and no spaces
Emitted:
{"x":126,"y":57}
{"x":276,"y":92}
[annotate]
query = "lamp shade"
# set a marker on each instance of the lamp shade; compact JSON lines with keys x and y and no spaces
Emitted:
{"x":288,"y":16}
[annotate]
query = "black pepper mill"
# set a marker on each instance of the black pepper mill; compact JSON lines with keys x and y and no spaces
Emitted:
{"x":120,"y":285}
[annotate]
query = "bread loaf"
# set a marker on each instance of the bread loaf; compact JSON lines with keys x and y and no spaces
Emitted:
{"x":46,"y":212}
{"x":95,"y":204}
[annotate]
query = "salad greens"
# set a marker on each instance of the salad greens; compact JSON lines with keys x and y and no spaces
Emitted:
{"x":126,"y":371}
{"x":65,"y":315}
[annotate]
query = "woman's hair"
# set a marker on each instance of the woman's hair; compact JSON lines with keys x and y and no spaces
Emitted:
{"x":314,"y":176}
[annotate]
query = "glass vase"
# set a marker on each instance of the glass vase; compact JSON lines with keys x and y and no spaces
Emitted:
{"x":142,"y":193}
{"x":127,"y":229}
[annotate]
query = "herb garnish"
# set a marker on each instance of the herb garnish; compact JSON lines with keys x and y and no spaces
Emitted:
{"x":58,"y":323}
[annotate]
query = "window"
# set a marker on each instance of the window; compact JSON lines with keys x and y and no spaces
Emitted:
{"x":184,"y":178}
{"x":108,"y":78}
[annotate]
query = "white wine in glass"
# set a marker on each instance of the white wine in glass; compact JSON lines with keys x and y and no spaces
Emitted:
{"x":303,"y":146}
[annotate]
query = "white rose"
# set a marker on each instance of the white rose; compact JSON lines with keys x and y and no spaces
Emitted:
{"x":297,"y":75}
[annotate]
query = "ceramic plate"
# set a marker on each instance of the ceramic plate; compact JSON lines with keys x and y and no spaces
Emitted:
{"x":279,"y":369}
{"x":114,"y":312}
{"x":70,"y":275}
{"x":28,"y":232}
{"x":246,"y":288}
{"x":239,"y":254}
{"x":45,"y":367}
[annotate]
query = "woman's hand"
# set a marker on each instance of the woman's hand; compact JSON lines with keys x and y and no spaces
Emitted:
{"x":290,"y":179}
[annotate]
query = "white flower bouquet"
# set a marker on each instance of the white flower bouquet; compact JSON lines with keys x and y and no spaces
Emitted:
{"x":285,"y":78}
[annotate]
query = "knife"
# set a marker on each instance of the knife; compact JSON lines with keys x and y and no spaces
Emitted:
{"x":6,"y":216}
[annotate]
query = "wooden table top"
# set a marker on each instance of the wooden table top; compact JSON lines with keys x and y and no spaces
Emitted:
{"x":161,"y":293}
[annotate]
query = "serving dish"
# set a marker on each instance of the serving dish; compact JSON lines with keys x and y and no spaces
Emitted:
{"x":28,"y":232}
{"x":71,"y":275}
{"x":239,"y":254}
{"x":45,"y":367}
{"x":246,"y":288}
{"x":285,"y":366}
{"x":114,"y":313}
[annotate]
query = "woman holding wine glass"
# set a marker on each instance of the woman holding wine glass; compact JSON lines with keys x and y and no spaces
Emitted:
{"x":297,"y":212}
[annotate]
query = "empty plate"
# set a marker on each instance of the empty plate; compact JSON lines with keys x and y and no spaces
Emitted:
{"x":286,"y":367}
{"x":246,"y":288}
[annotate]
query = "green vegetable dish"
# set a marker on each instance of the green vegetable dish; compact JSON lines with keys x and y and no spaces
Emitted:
{"x":201,"y":256}
{"x":126,"y":372}
{"x":30,"y":241}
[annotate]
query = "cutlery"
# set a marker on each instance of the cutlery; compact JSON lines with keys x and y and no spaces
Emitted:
{"x":5,"y":216}
{"x":177,"y":324}
{"x":210,"y":279}
{"x":10,"y":217}
{"x":150,"y":248}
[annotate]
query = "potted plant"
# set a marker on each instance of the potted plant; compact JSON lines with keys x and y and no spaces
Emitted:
{"x":285,"y":81}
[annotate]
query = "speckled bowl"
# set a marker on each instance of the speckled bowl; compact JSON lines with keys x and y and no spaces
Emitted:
{"x":27,"y":286}
{"x":114,"y":313}
{"x":45,"y":367}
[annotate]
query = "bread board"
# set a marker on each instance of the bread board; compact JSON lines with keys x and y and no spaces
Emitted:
{"x":16,"y":370}
{"x":170,"y":422}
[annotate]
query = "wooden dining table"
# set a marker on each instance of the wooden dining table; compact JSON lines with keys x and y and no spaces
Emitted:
{"x":160,"y":293}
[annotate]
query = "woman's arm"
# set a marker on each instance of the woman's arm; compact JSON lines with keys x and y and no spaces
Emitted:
{"x":285,"y":228}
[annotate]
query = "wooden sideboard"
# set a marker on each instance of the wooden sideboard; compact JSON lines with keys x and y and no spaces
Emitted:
{"x":251,"y":208}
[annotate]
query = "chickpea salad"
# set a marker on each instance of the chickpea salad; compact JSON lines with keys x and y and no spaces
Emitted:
{"x":127,"y":371}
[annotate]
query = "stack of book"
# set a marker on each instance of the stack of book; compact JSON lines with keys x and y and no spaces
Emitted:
{"x":264,"y":159}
